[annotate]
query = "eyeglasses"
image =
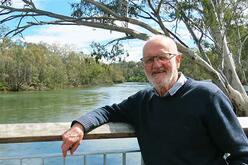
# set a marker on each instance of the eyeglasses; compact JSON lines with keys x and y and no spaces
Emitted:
{"x":162,"y":57}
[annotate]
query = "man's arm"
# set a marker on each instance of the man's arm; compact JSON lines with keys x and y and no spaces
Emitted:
{"x":225,"y":130}
{"x":122,"y":112}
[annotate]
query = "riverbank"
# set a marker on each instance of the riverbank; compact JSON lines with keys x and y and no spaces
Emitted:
{"x":44,"y":88}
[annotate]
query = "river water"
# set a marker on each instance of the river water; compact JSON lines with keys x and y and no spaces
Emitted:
{"x":63,"y":106}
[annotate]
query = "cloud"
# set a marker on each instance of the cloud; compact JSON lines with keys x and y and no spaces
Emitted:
{"x":17,"y":3}
{"x":77,"y":35}
{"x":80,"y":38}
{"x":135,"y":49}
{"x":20,"y":3}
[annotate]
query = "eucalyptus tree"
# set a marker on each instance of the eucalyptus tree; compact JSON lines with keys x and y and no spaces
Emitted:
{"x":208,"y":22}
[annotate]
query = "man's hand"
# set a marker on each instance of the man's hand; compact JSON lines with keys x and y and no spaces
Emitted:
{"x":72,"y":138}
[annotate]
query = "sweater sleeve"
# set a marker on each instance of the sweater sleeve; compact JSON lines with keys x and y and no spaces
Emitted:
{"x":122,"y":112}
{"x":225,"y":130}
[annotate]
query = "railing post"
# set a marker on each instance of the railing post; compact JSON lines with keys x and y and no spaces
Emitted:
{"x":124,"y":158}
{"x":63,"y":160}
{"x":105,"y":159}
{"x":85,"y":161}
{"x":43,"y":161}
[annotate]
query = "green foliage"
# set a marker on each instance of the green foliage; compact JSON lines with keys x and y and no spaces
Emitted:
{"x":133,"y":71}
{"x":193,"y":70}
{"x":3,"y":30}
{"x":207,"y":21}
{"x":84,"y":8}
{"x":2,"y":86}
{"x":13,"y":68}
{"x":38,"y":67}
{"x":107,"y":51}
{"x":240,"y":55}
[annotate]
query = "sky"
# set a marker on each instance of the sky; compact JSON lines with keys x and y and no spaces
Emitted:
{"x":78,"y":37}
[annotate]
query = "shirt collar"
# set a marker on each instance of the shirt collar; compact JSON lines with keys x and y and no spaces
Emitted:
{"x":180,"y":82}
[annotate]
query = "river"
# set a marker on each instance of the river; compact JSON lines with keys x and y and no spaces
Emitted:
{"x":62,"y":106}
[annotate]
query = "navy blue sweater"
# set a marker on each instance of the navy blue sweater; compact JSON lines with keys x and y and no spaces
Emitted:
{"x":196,"y":126}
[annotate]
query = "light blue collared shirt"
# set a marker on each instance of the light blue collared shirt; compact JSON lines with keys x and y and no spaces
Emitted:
{"x":180,"y":82}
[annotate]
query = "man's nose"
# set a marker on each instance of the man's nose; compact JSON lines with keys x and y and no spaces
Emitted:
{"x":156,"y":62}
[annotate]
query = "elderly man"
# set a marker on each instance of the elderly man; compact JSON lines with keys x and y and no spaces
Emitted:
{"x":178,"y":121}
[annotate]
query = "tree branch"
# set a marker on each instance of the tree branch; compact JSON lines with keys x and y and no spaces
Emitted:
{"x":149,"y":15}
{"x":197,"y":41}
{"x":120,"y":39}
{"x":129,"y":31}
{"x":122,"y":18}
{"x":209,"y":69}
{"x":18,"y":30}
{"x":29,"y":3}
{"x":71,"y":19}
{"x":159,"y":6}
{"x":153,"y":9}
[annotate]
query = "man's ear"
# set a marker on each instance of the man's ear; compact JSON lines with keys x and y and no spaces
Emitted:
{"x":178,"y":60}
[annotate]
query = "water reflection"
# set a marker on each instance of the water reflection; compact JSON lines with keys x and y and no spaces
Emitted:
{"x":61,"y":105}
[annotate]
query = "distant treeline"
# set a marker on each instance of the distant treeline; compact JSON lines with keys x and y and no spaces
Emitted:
{"x":26,"y":66}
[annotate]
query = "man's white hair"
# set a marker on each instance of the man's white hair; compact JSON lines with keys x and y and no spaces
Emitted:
{"x":167,"y":41}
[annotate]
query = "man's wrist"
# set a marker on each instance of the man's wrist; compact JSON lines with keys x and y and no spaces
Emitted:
{"x":79,"y":125}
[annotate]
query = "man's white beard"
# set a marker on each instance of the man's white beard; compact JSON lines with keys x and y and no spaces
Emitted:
{"x":167,"y":80}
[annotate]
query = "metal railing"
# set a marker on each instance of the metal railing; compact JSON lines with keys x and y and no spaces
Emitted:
{"x":41,"y":159}
{"x":40,"y":132}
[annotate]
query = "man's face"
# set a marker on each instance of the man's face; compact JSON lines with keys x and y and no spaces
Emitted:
{"x":160,"y":65}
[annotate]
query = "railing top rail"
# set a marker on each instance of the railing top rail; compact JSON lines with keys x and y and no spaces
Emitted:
{"x":33,"y":132}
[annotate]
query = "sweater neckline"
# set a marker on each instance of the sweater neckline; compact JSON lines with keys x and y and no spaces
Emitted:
{"x":181,"y":90}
